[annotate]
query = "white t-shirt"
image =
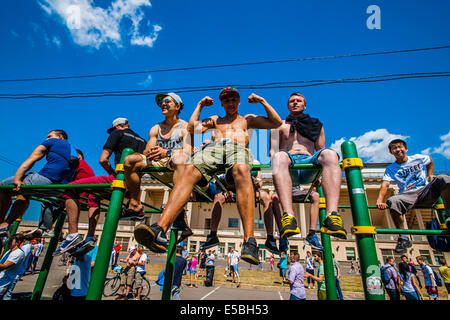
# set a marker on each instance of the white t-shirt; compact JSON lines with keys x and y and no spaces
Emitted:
{"x":140,"y":268}
{"x":79,"y":277}
{"x":234,"y":258}
{"x":410,"y":175}
{"x":39,"y":248}
{"x":27,"y":249}
{"x":7,"y":276}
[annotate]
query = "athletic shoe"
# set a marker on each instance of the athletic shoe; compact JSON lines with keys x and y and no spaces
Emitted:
{"x":333,"y":226}
{"x":250,"y":252}
{"x":271,"y":246}
{"x":68,"y":245}
{"x":36,"y":233}
{"x":211,"y":241}
{"x":313,"y":241}
{"x":4,"y":232}
{"x":402,"y":245}
{"x":133,"y":215}
{"x":284,"y":245}
{"x":288,"y":226}
{"x":152,"y":237}
{"x":84,"y":247}
{"x":49,"y":234}
{"x":185,"y":234}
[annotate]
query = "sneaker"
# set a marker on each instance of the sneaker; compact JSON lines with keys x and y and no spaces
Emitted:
{"x":313,"y":241}
{"x":250,"y":252}
{"x":289,"y":226}
{"x":84,"y":247}
{"x":36,"y":233}
{"x":402,"y":245}
{"x":271,"y":246}
{"x":211,"y":241}
{"x":68,"y":245}
{"x":333,"y":226}
{"x":49,"y":234}
{"x":284,"y":245}
{"x":4,"y":232}
{"x":185,"y":234}
{"x":152,"y":237}
{"x":133,"y":215}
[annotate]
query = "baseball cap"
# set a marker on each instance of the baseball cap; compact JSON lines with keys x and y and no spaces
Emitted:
{"x":228,"y":91}
{"x":173,"y":95}
{"x":116,"y":123}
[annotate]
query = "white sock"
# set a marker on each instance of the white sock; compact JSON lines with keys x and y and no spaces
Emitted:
{"x":71,"y":236}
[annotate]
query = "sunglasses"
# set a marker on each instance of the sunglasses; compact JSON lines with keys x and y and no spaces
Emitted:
{"x":166,"y":100}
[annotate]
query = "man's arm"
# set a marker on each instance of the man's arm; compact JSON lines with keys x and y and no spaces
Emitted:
{"x":104,"y":161}
{"x":195,"y":126}
{"x":8,"y":264}
{"x":272,"y":120}
{"x":35,"y":156}
{"x":320,"y":142}
{"x":429,"y":167}
{"x":383,"y":190}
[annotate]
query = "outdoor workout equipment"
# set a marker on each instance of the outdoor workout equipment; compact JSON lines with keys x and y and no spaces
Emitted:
{"x":362,"y":228}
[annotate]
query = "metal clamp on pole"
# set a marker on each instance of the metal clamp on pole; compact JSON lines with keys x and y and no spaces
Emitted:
{"x":352,"y":162}
{"x":118,"y":184}
{"x":439,"y":206}
{"x":322,"y":203}
{"x":363,"y":230}
{"x":119,"y":168}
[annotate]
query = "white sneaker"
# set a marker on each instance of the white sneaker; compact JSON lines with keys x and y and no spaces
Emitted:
{"x":50,"y":234}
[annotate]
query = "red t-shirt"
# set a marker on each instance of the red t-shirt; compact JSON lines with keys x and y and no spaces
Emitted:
{"x":117,"y":248}
{"x":83,"y":171}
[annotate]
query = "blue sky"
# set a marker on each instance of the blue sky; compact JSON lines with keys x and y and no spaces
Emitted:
{"x":120,"y":36}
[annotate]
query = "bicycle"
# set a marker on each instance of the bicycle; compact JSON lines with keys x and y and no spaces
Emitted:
{"x":112,"y":285}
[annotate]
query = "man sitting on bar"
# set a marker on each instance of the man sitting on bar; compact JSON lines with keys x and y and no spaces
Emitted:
{"x":301,"y":140}
{"x":229,"y":155}
{"x":60,"y":167}
{"x":417,"y":184}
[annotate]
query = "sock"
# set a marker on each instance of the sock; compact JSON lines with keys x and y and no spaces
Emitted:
{"x":71,"y":236}
{"x":332,"y":212}
{"x":213,"y":233}
{"x":311,"y":232}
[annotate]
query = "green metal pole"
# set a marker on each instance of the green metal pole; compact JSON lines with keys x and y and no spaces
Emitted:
{"x":170,"y":265}
{"x":441,"y":211}
{"x":47,"y":263}
{"x":330,"y":282}
{"x":370,"y":270}
{"x":105,"y":246}
{"x":14,"y":228}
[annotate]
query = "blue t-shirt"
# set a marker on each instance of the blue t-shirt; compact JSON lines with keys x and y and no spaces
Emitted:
{"x":57,"y":167}
{"x":210,"y":261}
{"x":283,"y":262}
{"x":410,"y":175}
{"x":80,"y":275}
{"x":93,"y":253}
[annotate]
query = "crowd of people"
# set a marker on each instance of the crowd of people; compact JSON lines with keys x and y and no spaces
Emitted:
{"x":222,"y":168}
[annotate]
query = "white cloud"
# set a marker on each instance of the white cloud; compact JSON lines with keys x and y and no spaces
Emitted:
{"x":443,"y":149}
{"x":94,"y":26}
{"x":15,"y":34}
{"x":146,"y":82}
{"x":372,"y":146}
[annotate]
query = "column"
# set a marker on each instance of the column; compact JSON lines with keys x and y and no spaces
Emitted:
{"x":302,"y":219}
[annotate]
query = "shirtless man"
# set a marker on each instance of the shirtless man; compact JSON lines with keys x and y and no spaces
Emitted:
{"x":301,"y":139}
{"x":232,"y":139}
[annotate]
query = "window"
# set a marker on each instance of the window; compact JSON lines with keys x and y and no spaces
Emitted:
{"x":207,"y":223}
{"x":385,"y":253}
{"x":221,"y":250}
{"x":426,"y":256}
{"x":124,"y":242}
{"x":193,"y":246}
{"x":438,"y":256}
{"x":350,"y":252}
{"x":259,"y":224}
{"x":262,"y":252}
{"x":233,"y":223}
{"x":293,"y":248}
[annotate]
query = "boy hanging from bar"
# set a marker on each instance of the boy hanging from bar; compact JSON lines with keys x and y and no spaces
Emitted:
{"x":417,"y":184}
{"x":301,"y":140}
{"x":229,"y":155}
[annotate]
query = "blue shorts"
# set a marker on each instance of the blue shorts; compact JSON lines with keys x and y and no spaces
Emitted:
{"x":234,"y":268}
{"x":193,"y":270}
{"x":304,"y":176}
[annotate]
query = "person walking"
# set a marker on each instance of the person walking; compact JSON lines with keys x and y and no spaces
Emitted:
{"x":310,"y":268}
{"x":337,"y":278}
{"x":428,"y":277}
{"x":180,"y":265}
{"x":444,"y":271}
{"x":407,"y":282}
{"x":296,"y":279}
{"x":193,"y":271}
{"x":210,"y":269}
{"x":390,"y":279}
{"x":283,"y":265}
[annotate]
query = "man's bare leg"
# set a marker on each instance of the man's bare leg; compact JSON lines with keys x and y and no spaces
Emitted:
{"x":94,"y":215}
{"x":133,"y":165}
{"x":73,"y":213}
{"x":331,"y":178}
{"x":5,"y":204}
{"x":245,"y":198}
{"x":17,"y":210}
{"x":282,"y":181}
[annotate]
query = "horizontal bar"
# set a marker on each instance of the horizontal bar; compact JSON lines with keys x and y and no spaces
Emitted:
{"x":153,"y":211}
{"x":414,"y":232}
{"x":305,"y":166}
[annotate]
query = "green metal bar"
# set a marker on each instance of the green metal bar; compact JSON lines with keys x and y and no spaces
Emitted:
{"x":170,"y":265}
{"x":13,"y":230}
{"x":60,"y":186}
{"x":328,"y":266}
{"x":47,"y":263}
{"x":441,"y":212}
{"x":370,"y":271}
{"x":153,"y":211}
{"x":100,"y":270}
{"x":414,"y":232}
